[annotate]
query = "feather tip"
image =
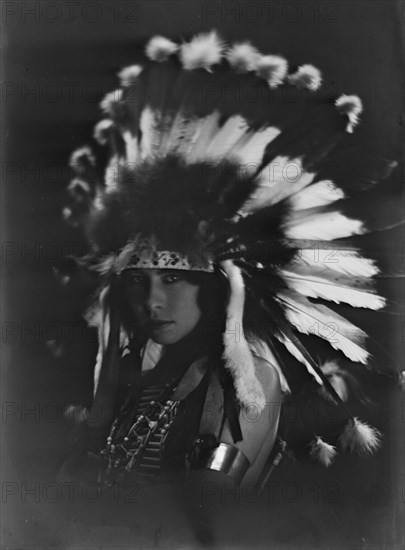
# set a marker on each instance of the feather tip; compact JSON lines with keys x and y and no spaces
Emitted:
{"x":359,"y":437}
{"x":273,"y":69}
{"x":203,"y":51}
{"x":352,"y":107}
{"x":322,"y":451}
{"x":243,"y":57}
{"x":160,"y":48}
{"x":307,"y":76}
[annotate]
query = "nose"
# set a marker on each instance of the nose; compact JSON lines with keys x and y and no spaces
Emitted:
{"x":155,"y":299}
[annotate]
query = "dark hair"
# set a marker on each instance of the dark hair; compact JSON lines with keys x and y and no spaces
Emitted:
{"x":213,"y":293}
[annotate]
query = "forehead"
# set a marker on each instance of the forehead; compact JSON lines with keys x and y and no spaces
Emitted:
{"x":149,"y":272}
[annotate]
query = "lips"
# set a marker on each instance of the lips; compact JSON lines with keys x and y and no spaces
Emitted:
{"x":158,"y":325}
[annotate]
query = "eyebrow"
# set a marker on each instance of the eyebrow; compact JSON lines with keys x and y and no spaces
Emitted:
{"x":159,"y":271}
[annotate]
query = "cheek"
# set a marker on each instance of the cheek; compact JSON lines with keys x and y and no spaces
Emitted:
{"x":188,"y":307}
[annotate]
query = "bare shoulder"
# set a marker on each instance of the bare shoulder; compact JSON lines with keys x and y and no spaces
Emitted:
{"x":268,"y":377}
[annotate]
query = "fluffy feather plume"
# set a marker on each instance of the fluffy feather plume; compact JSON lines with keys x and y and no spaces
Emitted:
{"x":351,"y":106}
{"x":202,"y":52}
{"x":307,"y":76}
{"x":81,"y":159}
{"x":129,"y":75}
{"x":322,"y":451}
{"x":273,"y":69}
{"x":102,"y":131}
{"x":243,"y":57}
{"x":110,"y":100}
{"x":68,"y":217}
{"x":79,"y":189}
{"x":159,"y":48}
{"x":237,"y":355}
{"x":359,"y":437}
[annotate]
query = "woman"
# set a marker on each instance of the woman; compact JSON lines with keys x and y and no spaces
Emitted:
{"x":180,"y":316}
{"x":184,"y":313}
{"x":195,"y":435}
{"x":218,"y":234}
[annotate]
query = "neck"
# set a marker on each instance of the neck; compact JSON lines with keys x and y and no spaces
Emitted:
{"x":200,"y":341}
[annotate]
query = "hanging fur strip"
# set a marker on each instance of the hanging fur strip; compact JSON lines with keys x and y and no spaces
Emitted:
{"x":237,"y":355}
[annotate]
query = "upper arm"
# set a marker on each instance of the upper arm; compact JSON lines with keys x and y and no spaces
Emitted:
{"x":259,"y":428}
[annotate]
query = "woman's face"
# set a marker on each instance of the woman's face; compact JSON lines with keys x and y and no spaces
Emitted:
{"x":163,"y":302}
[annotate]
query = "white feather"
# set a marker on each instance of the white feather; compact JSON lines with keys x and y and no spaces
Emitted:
{"x":149,"y":125}
{"x":332,"y":258}
{"x":67,"y":214}
{"x":125,"y":256}
{"x":109,"y":100}
{"x":102,"y":131}
{"x":360,"y":437}
{"x":205,"y":130}
{"x":110,"y":178}
{"x":273,"y":69}
{"x":78,"y":187}
{"x":317,"y":319}
{"x":185,"y":131}
{"x":203,"y":51}
{"x":129,"y":75}
{"x":226,"y":137}
{"x":159,"y":48}
{"x":322,"y":451}
{"x":339,"y":290}
{"x":131,"y":147}
{"x":351,"y":106}
{"x":295,"y":352}
{"x":243,"y":57}
{"x":320,"y":193}
{"x":80,"y":158}
{"x":277,"y":181}
{"x":106,"y":265}
{"x":327,"y":226}
{"x":250,"y":151}
{"x":307,"y":76}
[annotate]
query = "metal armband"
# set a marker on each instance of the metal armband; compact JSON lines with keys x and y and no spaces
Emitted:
{"x":229,"y":460}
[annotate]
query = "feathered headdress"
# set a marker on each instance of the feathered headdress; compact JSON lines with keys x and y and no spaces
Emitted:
{"x":216,"y":158}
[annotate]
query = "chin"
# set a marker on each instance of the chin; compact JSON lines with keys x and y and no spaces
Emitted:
{"x":165,"y":339}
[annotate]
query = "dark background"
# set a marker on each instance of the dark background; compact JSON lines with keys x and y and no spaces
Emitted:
{"x":60,"y":59}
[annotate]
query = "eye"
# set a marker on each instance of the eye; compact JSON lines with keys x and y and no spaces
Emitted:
{"x":170,"y":278}
{"x":135,"y":279}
